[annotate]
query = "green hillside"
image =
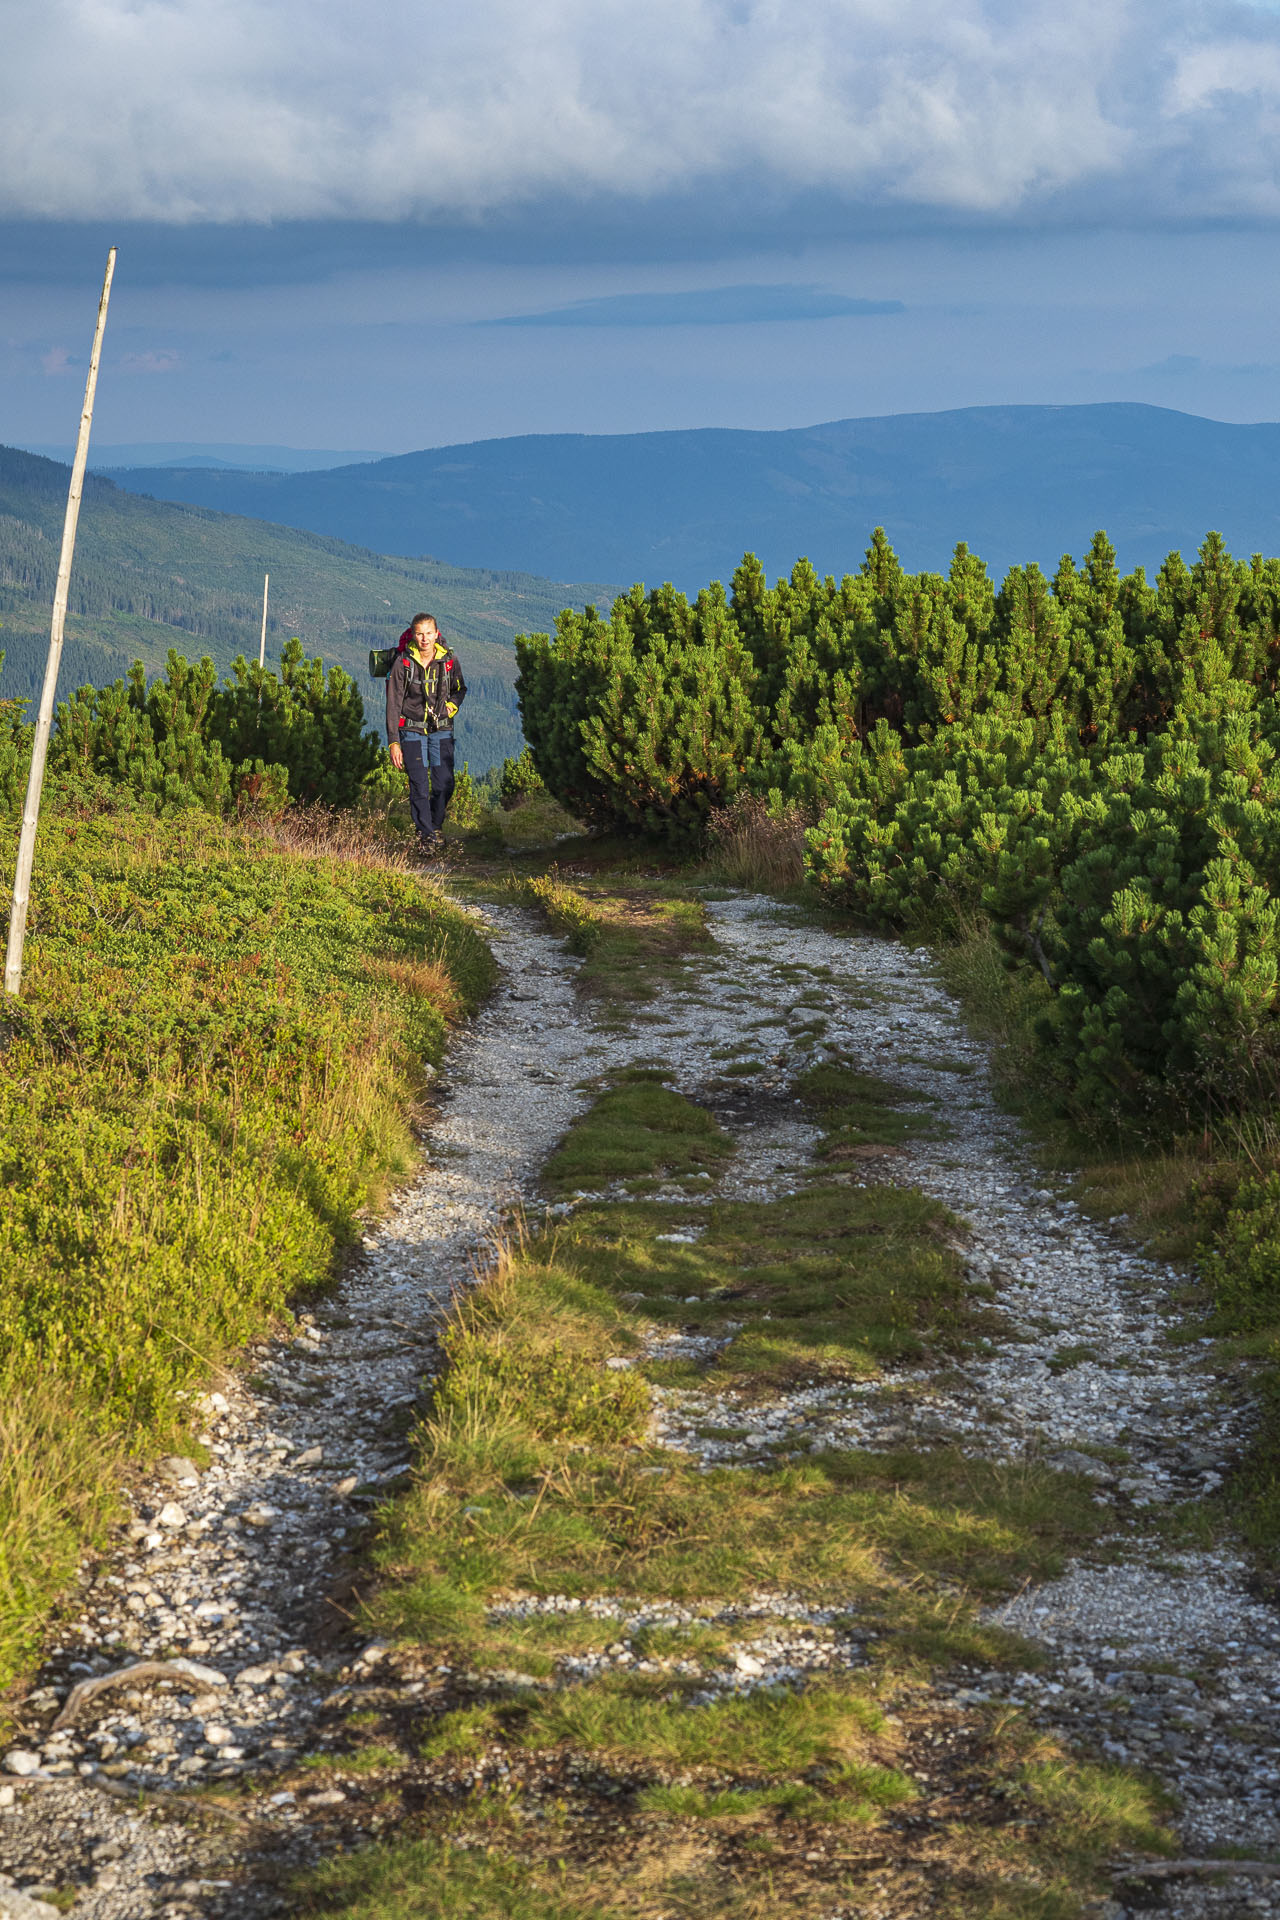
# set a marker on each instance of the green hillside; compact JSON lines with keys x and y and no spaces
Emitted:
{"x":150,"y":575}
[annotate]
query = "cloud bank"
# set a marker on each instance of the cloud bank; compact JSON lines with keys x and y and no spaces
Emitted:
{"x":258,"y":110}
{"x":706,"y":307}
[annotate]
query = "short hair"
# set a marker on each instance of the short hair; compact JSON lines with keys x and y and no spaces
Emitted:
{"x":418,"y":618}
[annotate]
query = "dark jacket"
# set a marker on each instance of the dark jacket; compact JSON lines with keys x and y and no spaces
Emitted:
{"x":418,"y":699}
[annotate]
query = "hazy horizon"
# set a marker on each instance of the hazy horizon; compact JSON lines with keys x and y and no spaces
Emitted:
{"x":313,"y":459}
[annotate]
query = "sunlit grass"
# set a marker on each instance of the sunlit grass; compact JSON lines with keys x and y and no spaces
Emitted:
{"x":205,"y":1081}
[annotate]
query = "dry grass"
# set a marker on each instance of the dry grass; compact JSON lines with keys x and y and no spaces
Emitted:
{"x":357,"y":839}
{"x":1154,"y":1192}
{"x":425,"y":979}
{"x":751,"y":845}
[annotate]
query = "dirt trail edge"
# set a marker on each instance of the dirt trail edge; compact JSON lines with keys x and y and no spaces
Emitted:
{"x":1162,"y":1659}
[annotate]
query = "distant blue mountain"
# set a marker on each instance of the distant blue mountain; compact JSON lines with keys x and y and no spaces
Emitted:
{"x":199,"y":453}
{"x":1017,"y":483}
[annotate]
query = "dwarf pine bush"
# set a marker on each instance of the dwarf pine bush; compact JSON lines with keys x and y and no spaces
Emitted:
{"x":647,"y":722}
{"x":182,"y":740}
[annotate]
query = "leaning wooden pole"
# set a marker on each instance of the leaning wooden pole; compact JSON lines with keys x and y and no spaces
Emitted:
{"x":44,"y":718}
{"x":262,"y":644}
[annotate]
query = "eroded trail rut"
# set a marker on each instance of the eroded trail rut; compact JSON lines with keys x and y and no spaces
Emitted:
{"x":238,"y":1569}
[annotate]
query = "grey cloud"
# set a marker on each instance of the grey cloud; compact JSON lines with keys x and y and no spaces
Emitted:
{"x":734,"y":218}
{"x":1185,"y":366}
{"x":703,"y":307}
{"x":267,"y":110}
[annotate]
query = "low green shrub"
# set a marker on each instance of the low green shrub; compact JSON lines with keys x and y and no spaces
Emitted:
{"x":915,"y":835}
{"x":518,"y":778}
{"x":15,"y":752}
{"x":468,"y":809}
{"x":1242,"y":1263}
{"x":182,"y":740}
{"x":644,"y":722}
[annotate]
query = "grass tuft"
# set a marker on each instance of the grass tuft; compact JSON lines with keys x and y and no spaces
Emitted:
{"x":630,"y":939}
{"x":638,"y":1127}
{"x":754,"y":845}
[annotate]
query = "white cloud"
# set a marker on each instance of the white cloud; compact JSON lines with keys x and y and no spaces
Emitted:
{"x":153,"y":360}
{"x":273,"y":109}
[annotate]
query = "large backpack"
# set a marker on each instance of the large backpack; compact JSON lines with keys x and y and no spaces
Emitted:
{"x":382,"y":659}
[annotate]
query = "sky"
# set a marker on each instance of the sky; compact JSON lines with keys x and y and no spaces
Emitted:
{"x":404,"y":225}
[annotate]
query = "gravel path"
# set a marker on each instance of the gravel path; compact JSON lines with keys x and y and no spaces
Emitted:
{"x":238,"y":1569}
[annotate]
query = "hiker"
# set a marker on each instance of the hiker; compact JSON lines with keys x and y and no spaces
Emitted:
{"x":425,"y":688}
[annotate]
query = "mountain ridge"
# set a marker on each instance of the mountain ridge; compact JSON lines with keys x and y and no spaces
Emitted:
{"x":1016,"y":483}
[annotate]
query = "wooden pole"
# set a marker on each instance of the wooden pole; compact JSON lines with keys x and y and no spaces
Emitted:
{"x":262,"y":644}
{"x":44,"y":718}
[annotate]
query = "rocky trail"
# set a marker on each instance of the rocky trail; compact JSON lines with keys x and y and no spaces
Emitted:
{"x":161,"y":1757}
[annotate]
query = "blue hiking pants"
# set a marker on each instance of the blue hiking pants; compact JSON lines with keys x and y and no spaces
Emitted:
{"x":428,"y":761}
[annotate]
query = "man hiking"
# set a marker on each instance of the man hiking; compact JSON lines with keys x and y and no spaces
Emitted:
{"x":425,"y":688}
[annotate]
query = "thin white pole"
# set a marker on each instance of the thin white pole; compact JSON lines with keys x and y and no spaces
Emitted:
{"x":262,"y":644}
{"x":44,"y":718}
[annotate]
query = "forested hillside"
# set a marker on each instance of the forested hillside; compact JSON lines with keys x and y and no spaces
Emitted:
{"x":150,"y":576}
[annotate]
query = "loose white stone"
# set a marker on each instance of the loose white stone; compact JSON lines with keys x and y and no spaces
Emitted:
{"x":21,"y":1761}
{"x":207,"y":1676}
{"x":259,"y":1676}
{"x":171,"y":1516}
{"x":184,"y":1472}
{"x":21,"y":1906}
